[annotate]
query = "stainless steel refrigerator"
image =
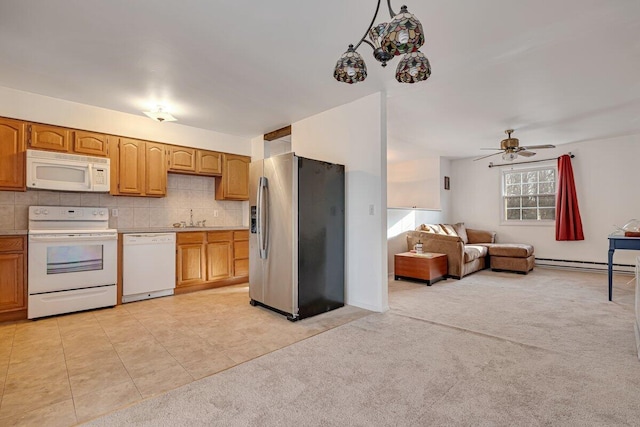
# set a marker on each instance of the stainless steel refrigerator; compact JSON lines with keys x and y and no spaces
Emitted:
{"x":296,"y":240}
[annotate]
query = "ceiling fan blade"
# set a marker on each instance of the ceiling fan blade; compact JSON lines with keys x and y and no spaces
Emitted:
{"x":495,"y":149}
{"x":484,"y":157}
{"x":526,"y":153}
{"x":538,"y":146}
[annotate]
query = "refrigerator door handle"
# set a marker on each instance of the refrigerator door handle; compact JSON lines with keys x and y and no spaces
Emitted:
{"x":263,"y":218}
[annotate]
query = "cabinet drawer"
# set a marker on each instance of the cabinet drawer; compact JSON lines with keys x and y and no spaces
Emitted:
{"x":241,"y":267}
{"x":11,"y":244}
{"x":241,"y":249}
{"x":191,"y":237}
{"x":219,"y":236}
{"x":241,"y":235}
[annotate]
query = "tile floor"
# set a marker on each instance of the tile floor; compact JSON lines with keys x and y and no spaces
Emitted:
{"x":67,"y":369}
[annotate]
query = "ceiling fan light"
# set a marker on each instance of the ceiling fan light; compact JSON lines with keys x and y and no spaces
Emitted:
{"x":350,"y":68}
{"x":509,"y":156}
{"x":404,"y":34}
{"x":414,"y":67}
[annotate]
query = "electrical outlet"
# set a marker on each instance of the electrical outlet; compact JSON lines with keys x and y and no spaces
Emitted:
{"x":114,"y":212}
{"x":215,"y":213}
{"x":372,"y":210}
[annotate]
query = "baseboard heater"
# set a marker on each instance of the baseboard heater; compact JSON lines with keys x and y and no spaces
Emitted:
{"x":584,"y":265}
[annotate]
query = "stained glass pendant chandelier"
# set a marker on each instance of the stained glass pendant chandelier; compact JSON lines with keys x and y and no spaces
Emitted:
{"x":402,"y":36}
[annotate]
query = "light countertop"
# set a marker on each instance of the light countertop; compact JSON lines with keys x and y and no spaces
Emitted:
{"x":13,"y":232}
{"x":177,"y":229}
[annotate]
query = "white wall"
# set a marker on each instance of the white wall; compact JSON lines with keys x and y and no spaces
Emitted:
{"x":414,"y":183}
{"x":607,"y":174}
{"x":401,"y":220}
{"x":355,"y":136}
{"x":43,"y":109}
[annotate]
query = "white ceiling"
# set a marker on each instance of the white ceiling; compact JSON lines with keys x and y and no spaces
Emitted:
{"x":556,"y":71}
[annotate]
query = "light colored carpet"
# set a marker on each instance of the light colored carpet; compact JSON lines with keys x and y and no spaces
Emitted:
{"x":490,"y":349}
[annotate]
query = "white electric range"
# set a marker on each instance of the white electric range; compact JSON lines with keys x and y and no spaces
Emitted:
{"x":72,"y":260}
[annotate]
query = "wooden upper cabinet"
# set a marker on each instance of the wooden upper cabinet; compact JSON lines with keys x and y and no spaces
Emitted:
{"x":208,"y":163}
{"x":12,"y":155}
{"x":138,"y":168}
{"x":234,"y":184}
{"x":182,"y":159}
{"x":92,"y":144}
{"x":53,"y":138}
{"x":131,"y":154}
{"x":156,"y":169}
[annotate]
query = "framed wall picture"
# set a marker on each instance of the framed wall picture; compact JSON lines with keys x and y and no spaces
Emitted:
{"x":446,"y":183}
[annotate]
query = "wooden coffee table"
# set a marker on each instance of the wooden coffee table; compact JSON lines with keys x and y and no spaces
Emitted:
{"x":428,"y":267}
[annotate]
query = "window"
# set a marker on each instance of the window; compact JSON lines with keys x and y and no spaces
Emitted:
{"x":529,"y":194}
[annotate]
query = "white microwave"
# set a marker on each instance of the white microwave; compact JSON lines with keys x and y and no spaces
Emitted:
{"x":48,"y":170}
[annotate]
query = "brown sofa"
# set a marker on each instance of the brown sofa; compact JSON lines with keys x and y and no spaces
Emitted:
{"x":466,"y":248}
{"x":469,"y":250}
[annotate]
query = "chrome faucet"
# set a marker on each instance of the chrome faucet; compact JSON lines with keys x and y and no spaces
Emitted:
{"x":190,"y":217}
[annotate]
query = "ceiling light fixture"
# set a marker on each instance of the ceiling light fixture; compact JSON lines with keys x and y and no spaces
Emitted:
{"x":160,"y":115}
{"x":403,"y":35}
{"x":509,"y":155}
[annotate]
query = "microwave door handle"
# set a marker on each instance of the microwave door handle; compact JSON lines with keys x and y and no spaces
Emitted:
{"x":90,"y":176}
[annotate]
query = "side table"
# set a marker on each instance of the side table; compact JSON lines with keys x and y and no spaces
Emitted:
{"x":428,"y":267}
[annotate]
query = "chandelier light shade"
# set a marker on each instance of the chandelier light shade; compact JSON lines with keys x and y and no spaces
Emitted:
{"x":414,"y":67}
{"x":350,"y":67}
{"x":403,"y":35}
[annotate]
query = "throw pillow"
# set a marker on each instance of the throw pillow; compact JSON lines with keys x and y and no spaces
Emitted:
{"x":449,"y":230}
{"x":461,"y":231}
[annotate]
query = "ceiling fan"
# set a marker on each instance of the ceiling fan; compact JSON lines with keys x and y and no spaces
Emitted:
{"x":511,"y":148}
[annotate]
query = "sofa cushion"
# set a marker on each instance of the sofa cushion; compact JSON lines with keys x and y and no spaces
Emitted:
{"x":461,"y":231}
{"x":514,"y":250}
{"x":472,"y":252}
{"x":480,"y":236}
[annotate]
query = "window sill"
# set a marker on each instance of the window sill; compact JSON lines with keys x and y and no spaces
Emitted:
{"x":547,"y":223}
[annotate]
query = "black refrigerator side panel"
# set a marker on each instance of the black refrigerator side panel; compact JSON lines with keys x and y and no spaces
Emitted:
{"x":321,"y":236}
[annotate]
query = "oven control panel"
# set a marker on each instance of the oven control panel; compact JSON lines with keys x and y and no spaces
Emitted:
{"x":67,"y":213}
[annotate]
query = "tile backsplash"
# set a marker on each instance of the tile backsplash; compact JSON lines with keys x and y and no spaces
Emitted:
{"x":184,"y":192}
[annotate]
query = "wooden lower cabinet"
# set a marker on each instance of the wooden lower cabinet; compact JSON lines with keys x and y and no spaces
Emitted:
{"x":207,"y":260}
{"x":190,"y":263}
{"x":219,"y":255}
{"x":241,"y":253}
{"x":13,"y":278}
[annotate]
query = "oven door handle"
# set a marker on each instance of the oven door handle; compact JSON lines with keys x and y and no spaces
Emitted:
{"x":71,"y":238}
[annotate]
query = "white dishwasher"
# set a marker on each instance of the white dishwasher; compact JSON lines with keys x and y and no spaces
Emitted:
{"x":148,"y":266}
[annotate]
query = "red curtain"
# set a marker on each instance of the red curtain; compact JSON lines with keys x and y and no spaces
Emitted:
{"x":568,"y":222}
